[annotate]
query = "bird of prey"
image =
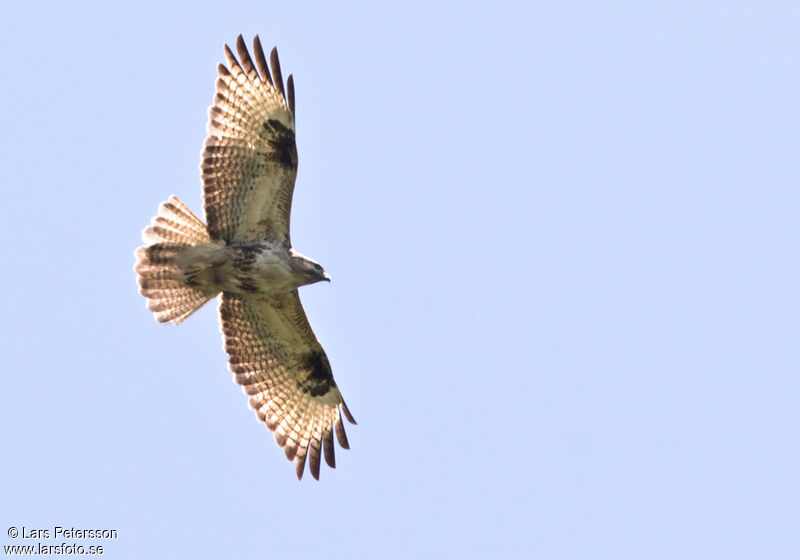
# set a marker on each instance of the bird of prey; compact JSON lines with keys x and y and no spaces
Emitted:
{"x":243,"y":251}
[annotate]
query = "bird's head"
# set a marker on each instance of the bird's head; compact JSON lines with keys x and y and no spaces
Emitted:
{"x":306,"y":270}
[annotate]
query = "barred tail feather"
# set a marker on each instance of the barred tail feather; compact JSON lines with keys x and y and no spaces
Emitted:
{"x":175,"y":223}
{"x":161,"y":278}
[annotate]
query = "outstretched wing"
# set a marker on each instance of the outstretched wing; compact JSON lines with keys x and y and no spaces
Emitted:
{"x":249,"y":160}
{"x":278,"y":361}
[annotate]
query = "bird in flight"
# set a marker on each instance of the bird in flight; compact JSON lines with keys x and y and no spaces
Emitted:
{"x":243,"y":251}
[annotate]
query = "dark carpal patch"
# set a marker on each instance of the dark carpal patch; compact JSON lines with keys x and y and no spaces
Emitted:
{"x":320,"y":378}
{"x":281,"y":139}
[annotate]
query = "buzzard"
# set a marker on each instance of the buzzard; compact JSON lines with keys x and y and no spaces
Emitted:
{"x":243,"y":251}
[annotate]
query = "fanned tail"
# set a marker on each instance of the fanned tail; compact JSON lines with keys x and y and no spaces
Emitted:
{"x":162,"y":280}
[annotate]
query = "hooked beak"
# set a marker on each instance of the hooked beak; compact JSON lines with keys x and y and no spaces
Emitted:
{"x":326,"y":277}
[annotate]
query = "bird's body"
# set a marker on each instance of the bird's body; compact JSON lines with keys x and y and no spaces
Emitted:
{"x":244,"y":252}
{"x":246,"y":269}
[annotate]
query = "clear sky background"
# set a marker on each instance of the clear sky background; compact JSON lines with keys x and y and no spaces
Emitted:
{"x":563,"y":239}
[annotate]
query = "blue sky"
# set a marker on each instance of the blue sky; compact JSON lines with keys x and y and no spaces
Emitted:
{"x":564,"y":246}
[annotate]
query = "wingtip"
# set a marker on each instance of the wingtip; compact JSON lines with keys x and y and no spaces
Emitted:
{"x":276,"y":71}
{"x":300,"y":465}
{"x":314,"y":462}
{"x":240,"y":45}
{"x":290,"y":88}
{"x":230,"y":57}
{"x":261,"y":60}
{"x":328,"y":449}
{"x":348,"y":415}
{"x":341,"y":436}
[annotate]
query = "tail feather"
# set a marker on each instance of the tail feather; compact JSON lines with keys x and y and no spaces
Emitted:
{"x":177,"y":224}
{"x":162,"y":279}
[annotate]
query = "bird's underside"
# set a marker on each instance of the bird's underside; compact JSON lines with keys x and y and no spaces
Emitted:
{"x":249,"y":165}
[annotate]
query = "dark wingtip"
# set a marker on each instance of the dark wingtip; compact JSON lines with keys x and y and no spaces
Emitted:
{"x":300,"y":465}
{"x":290,"y":88}
{"x":327,"y":448}
{"x":348,"y":415}
{"x":341,"y":436}
{"x":231,"y":58}
{"x":276,"y":71}
{"x":244,"y":56}
{"x":313,"y":463}
{"x":261,"y":60}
